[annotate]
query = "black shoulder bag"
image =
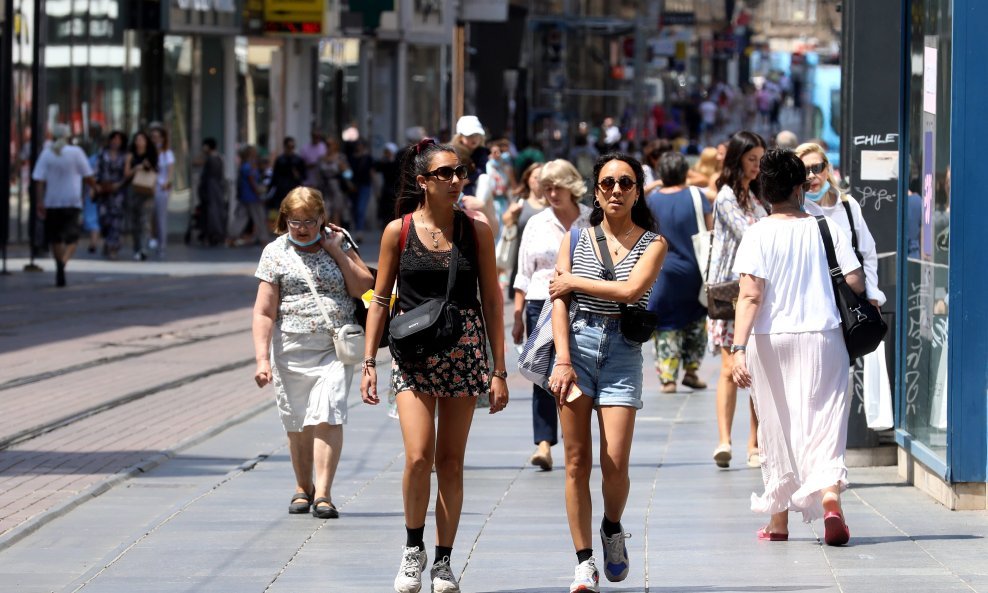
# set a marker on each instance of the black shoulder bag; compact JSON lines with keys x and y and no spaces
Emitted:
{"x":636,"y":324}
{"x":862,"y":323}
{"x":432,"y":327}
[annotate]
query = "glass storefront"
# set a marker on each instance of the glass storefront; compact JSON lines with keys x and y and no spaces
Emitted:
{"x":924,"y":361}
{"x":424,"y":88}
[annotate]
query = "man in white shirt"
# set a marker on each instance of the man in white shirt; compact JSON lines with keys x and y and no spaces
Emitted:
{"x":59,"y":173}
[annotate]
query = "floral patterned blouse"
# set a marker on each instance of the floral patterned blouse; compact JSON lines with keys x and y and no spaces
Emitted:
{"x":730,"y":223}
{"x":298,"y":312}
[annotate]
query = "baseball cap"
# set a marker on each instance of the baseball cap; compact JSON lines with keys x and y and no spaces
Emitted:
{"x":468,"y":125}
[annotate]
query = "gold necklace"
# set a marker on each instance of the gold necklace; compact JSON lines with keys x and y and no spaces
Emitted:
{"x":624,"y":236}
{"x":435,"y":234}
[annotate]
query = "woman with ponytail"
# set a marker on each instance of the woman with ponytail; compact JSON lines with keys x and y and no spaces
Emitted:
{"x":598,"y":364}
{"x":416,"y":249}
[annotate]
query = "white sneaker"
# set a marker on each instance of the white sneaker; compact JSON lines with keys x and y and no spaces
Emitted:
{"x":586,"y":579}
{"x":443,"y":580}
{"x":615,"y":556}
{"x":409,"y":579}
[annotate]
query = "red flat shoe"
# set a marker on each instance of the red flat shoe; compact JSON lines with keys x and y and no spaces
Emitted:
{"x":764,"y":533}
{"x":835,"y":531}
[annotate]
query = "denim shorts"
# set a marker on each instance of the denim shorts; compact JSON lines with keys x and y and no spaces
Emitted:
{"x":608,"y":366}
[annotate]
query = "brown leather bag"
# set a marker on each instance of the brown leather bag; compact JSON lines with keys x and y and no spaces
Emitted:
{"x":722,"y":299}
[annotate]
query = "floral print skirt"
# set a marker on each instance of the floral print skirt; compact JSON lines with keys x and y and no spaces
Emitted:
{"x":461,"y":371}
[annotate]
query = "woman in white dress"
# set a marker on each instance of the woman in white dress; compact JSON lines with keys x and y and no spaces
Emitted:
{"x":789,"y":348}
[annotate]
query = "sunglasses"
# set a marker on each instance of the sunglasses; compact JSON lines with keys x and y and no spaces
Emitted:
{"x":625,"y":182}
{"x":816,"y":169}
{"x":446,"y":173}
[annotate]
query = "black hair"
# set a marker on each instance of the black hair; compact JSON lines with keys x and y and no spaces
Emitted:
{"x":117,"y":134}
{"x":672,"y":169}
{"x":150,"y":150}
{"x":739,"y":145}
{"x":287,"y":139}
{"x":641,"y":215}
{"x":415,"y":160}
{"x":779,"y":173}
{"x":209,"y":143}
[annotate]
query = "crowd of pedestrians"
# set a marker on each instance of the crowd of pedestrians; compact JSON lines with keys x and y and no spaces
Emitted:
{"x":609,"y":261}
{"x":609,"y":250}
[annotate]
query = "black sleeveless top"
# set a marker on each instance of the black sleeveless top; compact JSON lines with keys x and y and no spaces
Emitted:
{"x":422,"y":273}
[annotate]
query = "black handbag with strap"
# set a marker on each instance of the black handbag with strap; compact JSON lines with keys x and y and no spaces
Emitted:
{"x":637,"y":324}
{"x":722,"y":297}
{"x":862,"y":323}
{"x":432,"y":327}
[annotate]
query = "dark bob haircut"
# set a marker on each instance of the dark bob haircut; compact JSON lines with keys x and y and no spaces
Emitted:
{"x":780,"y":172}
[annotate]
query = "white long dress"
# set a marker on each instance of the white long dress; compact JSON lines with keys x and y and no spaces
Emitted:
{"x":798,"y":363}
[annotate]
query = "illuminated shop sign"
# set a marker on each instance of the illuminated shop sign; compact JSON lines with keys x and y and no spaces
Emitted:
{"x":294,"y":17}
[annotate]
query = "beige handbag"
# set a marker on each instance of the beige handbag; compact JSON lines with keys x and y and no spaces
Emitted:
{"x":347,"y":340}
{"x":145,"y":181}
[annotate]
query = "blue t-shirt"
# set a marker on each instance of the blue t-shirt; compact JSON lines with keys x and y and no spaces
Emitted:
{"x":674,"y":295}
{"x":245,"y":190}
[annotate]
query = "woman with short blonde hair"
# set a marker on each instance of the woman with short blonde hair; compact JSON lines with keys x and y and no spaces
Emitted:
{"x":824,"y":197}
{"x":562,"y":174}
{"x":308,"y":278}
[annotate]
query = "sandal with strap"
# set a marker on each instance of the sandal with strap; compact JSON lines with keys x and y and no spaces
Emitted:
{"x":299,"y":508}
{"x":329,"y":512}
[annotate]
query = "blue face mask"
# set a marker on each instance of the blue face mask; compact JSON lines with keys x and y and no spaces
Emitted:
{"x":816,"y":196}
{"x":306,"y":244}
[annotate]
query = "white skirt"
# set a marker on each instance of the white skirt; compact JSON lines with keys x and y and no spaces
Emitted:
{"x":310,"y":383}
{"x":799,"y":386}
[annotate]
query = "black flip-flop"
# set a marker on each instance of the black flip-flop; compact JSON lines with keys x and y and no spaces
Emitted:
{"x":299,"y":508}
{"x":324,"y":512}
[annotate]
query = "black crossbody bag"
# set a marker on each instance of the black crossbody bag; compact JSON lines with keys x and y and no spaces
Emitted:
{"x":862,"y":323}
{"x":432,"y":327}
{"x":636,"y":324}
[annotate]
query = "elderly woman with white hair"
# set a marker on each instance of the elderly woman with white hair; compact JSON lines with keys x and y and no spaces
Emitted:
{"x":59,"y":173}
{"x":562,"y":188}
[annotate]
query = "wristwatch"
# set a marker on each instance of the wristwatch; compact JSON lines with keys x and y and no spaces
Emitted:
{"x":500,"y":374}
{"x":738,"y":348}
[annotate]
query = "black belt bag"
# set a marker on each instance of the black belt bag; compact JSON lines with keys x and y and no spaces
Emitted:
{"x":637,"y":324}
{"x":434,"y":326}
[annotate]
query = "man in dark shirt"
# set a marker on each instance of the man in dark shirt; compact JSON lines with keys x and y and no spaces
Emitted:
{"x":287,"y":174}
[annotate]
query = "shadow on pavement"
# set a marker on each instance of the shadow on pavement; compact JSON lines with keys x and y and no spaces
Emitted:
{"x":27,"y":463}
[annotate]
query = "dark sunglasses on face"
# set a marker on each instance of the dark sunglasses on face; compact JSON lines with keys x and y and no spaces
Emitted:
{"x":816,"y":169}
{"x":608,"y":183}
{"x":446,"y":173}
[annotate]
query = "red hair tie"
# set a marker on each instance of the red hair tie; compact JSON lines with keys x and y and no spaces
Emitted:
{"x":423,"y":143}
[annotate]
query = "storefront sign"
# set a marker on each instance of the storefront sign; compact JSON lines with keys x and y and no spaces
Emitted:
{"x":207,"y":5}
{"x":687,"y":19}
{"x":492,"y":11}
{"x":294,"y":17}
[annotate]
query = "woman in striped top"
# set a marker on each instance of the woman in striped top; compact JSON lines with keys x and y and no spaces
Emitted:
{"x":595,"y":358}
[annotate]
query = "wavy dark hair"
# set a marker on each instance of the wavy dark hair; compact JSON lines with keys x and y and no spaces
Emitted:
{"x":640,"y":213}
{"x":415,"y":160}
{"x":739,"y":145}
{"x":781,"y":171}
{"x":150,"y":150}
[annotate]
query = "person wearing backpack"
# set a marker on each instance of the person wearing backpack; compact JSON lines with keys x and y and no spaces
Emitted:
{"x":442,"y":260}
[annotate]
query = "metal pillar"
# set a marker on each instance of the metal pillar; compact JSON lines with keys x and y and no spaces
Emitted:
{"x":38,"y":101}
{"x":6,"y":88}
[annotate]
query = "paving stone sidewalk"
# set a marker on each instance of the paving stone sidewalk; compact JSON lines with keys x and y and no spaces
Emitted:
{"x":202,"y":523}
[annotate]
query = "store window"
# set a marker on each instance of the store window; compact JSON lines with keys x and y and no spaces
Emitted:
{"x":924,"y":364}
{"x":424,"y":88}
